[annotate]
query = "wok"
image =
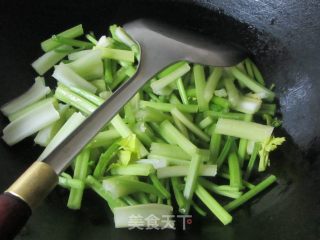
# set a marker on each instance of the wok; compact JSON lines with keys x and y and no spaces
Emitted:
{"x":282,"y":38}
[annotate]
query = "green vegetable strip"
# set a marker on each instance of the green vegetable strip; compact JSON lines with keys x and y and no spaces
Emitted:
{"x":98,"y":188}
{"x":133,"y":169}
{"x":252,"y":160}
{"x":130,"y":201}
{"x":80,"y":173}
{"x":198,"y":209}
{"x":217,"y":189}
{"x":72,"y":42}
{"x":212,"y":83}
{"x":213,"y":205}
{"x":245,"y":183}
{"x":247,"y":130}
{"x":191,"y":180}
{"x":268,"y":109}
{"x":215,"y":146}
{"x":234,"y":171}
{"x":199,"y":78}
{"x":251,"y":84}
{"x":172,"y":135}
{"x":248,"y":67}
{"x":70,"y":183}
{"x":250,"y":194}
{"x":87,"y":95}
{"x":167,"y":107}
{"x":182,"y":91}
{"x":226,"y":115}
{"x":225,"y":151}
{"x":190,"y":125}
{"x":105,"y":159}
{"x":180,"y":126}
{"x":108,"y":76}
{"x":51,"y":43}
{"x":158,"y":184}
{"x":117,"y":54}
{"x":191,"y":92}
{"x":222,"y":102}
{"x":243,"y":143}
{"x":91,"y":38}
{"x":170,"y":69}
{"x":142,"y":198}
{"x":181,"y":201}
{"x":169,"y":150}
{"x":183,"y":170}
{"x":257,"y":73}
{"x":151,"y":115}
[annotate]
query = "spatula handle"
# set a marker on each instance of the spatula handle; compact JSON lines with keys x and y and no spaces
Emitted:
{"x":14,"y":214}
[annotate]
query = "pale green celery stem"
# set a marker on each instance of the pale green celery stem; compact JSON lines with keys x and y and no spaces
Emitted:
{"x":180,"y":171}
{"x":190,"y":125}
{"x":117,"y":54}
{"x":199,"y":78}
{"x":30,"y":123}
{"x":49,"y":59}
{"x":167,"y":107}
{"x":213,"y":205}
{"x":159,"y":185}
{"x":257,"y":74}
{"x":130,"y":201}
{"x":247,"y":130}
{"x":234,"y":171}
{"x":133,"y":169}
{"x":215,"y":145}
{"x":156,"y":163}
{"x":206,"y":122}
{"x":252,"y":160}
{"x":245,"y":183}
{"x":169,"y":160}
{"x":71,"y":124}
{"x":73,"y":32}
{"x":151,"y":115}
{"x":70,"y":183}
{"x":248,"y":66}
{"x":212,"y":83}
{"x":181,"y":201}
{"x":105,"y":138}
{"x":100,"y":84}
{"x":37,"y":91}
{"x":243,"y":143}
{"x":182,"y":91}
{"x":76,"y":55}
{"x":88,"y":95}
{"x":169,"y":150}
{"x":218,"y":190}
{"x":180,"y":126}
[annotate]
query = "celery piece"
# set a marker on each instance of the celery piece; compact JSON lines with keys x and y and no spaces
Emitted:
{"x":156,"y":163}
{"x":215,"y":146}
{"x":252,"y":160}
{"x":180,"y":126}
{"x":151,"y":115}
{"x":129,"y":200}
{"x":105,"y":138}
{"x":105,"y":42}
{"x":133,"y":169}
{"x":79,"y":54}
{"x":71,"y":183}
{"x":182,"y":91}
{"x":105,"y":94}
{"x":30,"y":123}
{"x":226,"y":115}
{"x":268,"y":109}
{"x":181,"y":201}
{"x":251,"y":84}
{"x":191,"y":92}
{"x":166,"y":80}
{"x":72,"y":42}
{"x":212,"y":83}
{"x":51,"y":43}
{"x":190,"y":125}
{"x":65,"y":95}
{"x":245,"y":183}
{"x":257,"y":74}
{"x":234,"y":171}
{"x":242,"y":129}
{"x":122,"y":36}
{"x":100,"y":84}
{"x":80,"y":173}
{"x":119,"y":187}
{"x":169,"y":132}
{"x":64,"y":74}
{"x":87,"y":95}
{"x":167,"y":107}
{"x":243,"y":143}
{"x":250,"y":194}
{"x":91,"y":38}
{"x":199,"y":78}
{"x":32,"y":95}
{"x":71,"y":124}
{"x":222,"y":102}
{"x":116,"y":54}
{"x":96,"y":186}
{"x":169,"y":160}
{"x":158,"y":185}
{"x":221,"y":93}
{"x":119,"y":77}
{"x":108,"y":76}
{"x":89,"y":66}
{"x":206,"y":122}
{"x":248,"y":66}
{"x":218,"y":190}
{"x":123,"y":216}
{"x":213,"y":205}
{"x":49,"y":59}
{"x":142,"y":198}
{"x":180,"y":171}
{"x":225,"y":151}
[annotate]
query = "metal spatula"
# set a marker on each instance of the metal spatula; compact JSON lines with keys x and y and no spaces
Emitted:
{"x":160,"y":46}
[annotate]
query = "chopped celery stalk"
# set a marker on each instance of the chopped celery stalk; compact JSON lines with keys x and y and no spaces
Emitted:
{"x":156,"y":163}
{"x":227,"y":115}
{"x":70,"y":183}
{"x":64,"y":74}
{"x":213,"y":205}
{"x":245,"y":183}
{"x":105,"y":94}
{"x":100,"y":84}
{"x":191,"y":92}
{"x":173,"y":76}
{"x":215,"y":146}
{"x":119,"y":187}
{"x":142,"y":198}
{"x":251,"y":84}
{"x":191,"y":179}
{"x":206,"y":122}
{"x":105,"y":159}
{"x":169,"y":160}
{"x":79,"y":54}
{"x":182,"y":91}
{"x":105,"y":42}
{"x":252,"y":160}
{"x":247,"y":130}
{"x":225,"y":151}
{"x":218,"y":190}
{"x":32,"y":95}
{"x":105,"y":138}
{"x":117,"y":54}
{"x":51,"y":43}
{"x":73,"y":42}
{"x":108,"y":75}
{"x":92,"y":39}
{"x":170,"y":69}
{"x":121,"y":34}
{"x":65,"y":95}
{"x":158,"y":185}
{"x":181,"y":201}
{"x":199,"y":79}
{"x":268,"y":109}
{"x":142,"y":212}
{"x":248,"y":67}
{"x":87,"y":95}
{"x":180,"y":171}
{"x":233,"y":93}
{"x":151,"y":115}
{"x":118,"y":123}
{"x":221,"y":93}
{"x":89,"y":66}
{"x":173,"y":136}
{"x":190,"y":125}
{"x":212,"y":83}
{"x":222,"y":102}
{"x":30,"y":123}
{"x":234,"y":171}
{"x":71,"y":124}
{"x":250,"y":194}
{"x":30,"y":107}
{"x":133,"y":169}
{"x":180,"y":126}
{"x":129,"y":200}
{"x":96,"y":186}
{"x":167,"y":107}
{"x":80,"y":173}
{"x":49,"y":59}
{"x":243,"y":143}
{"x":257,"y":74}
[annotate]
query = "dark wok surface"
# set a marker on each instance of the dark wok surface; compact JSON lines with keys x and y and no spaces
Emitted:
{"x":284,"y":34}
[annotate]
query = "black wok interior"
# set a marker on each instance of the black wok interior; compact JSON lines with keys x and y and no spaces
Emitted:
{"x":282,"y":37}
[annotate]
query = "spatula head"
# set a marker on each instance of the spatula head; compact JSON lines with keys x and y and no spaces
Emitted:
{"x":178,"y":44}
